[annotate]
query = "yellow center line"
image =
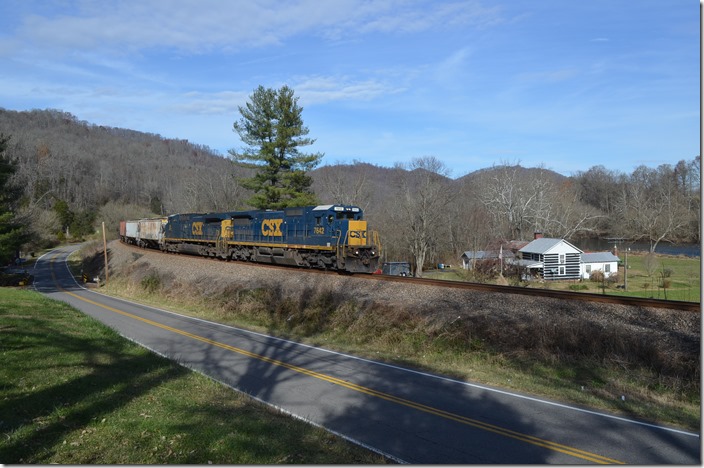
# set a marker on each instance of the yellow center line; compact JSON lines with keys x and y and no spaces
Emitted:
{"x":572,"y":451}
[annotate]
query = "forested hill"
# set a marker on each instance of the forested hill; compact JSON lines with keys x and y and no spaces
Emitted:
{"x":76,"y":174}
{"x":85,"y":165}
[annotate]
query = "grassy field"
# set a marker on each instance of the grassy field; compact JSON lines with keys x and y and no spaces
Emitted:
{"x":660,"y":277}
{"x":75,"y":392}
{"x":663,"y":277}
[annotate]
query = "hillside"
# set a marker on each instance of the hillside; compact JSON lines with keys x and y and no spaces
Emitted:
{"x":526,"y":173}
{"x":86,"y":165}
{"x":76,"y":174}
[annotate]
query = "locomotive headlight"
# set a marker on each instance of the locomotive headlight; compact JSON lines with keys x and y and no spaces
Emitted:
{"x":356,"y":252}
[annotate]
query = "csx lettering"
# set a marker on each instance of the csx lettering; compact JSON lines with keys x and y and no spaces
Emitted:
{"x":358,"y":234}
{"x":197,"y":229}
{"x":272,"y":227}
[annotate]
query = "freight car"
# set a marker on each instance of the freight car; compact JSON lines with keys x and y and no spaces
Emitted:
{"x":148,"y":232}
{"x":332,"y":237}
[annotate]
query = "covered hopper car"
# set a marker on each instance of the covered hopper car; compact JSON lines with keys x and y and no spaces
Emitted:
{"x":326,"y":236}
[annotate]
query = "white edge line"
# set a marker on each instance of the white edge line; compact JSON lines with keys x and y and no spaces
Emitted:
{"x":276,"y":407}
{"x":404,"y":369}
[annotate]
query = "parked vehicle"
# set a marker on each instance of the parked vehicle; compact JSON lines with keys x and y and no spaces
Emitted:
{"x":396,"y":269}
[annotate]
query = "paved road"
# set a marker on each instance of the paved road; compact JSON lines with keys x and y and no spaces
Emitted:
{"x":413,"y":417}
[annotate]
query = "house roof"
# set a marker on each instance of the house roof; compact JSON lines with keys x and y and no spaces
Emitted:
{"x":545,"y":244}
{"x":599,"y":257}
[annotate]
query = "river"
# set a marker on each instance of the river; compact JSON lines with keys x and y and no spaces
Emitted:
{"x":601,"y":245}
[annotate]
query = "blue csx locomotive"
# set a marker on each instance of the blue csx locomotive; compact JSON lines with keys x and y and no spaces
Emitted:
{"x":327,"y":236}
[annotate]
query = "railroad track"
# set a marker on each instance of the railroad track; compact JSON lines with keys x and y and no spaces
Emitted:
{"x":557,"y":294}
{"x":566,"y":295}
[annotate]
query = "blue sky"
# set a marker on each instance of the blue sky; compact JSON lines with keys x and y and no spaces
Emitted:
{"x":563,"y":84}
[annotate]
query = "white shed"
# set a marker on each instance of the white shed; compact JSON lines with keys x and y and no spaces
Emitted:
{"x":605,"y":262}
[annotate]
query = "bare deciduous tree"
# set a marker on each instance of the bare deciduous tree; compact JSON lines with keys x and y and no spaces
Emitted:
{"x":345,"y":184}
{"x":516,"y":202}
{"x":652,"y":208}
{"x":568,"y":216}
{"x":423,"y":199}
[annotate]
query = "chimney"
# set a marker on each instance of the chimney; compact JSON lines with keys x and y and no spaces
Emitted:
{"x":537,"y":235}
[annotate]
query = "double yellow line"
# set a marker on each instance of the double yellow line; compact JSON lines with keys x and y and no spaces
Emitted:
{"x":572,"y":451}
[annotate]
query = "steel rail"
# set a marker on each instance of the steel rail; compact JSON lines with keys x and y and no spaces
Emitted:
{"x":557,"y":294}
{"x":491,"y":288}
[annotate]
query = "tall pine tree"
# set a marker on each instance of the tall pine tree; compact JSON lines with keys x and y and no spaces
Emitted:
{"x":272,"y":129}
{"x":12,"y":234}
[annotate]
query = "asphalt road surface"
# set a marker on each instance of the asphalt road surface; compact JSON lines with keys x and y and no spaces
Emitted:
{"x":410,"y":416}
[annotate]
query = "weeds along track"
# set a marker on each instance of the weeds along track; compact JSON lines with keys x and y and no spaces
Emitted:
{"x":490,"y":288}
{"x":566,"y":295}
{"x":381,"y":309}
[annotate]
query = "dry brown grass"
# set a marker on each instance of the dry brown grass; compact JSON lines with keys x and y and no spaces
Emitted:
{"x":550,"y":347}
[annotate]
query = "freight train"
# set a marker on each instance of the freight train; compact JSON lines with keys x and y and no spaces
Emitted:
{"x":333,"y":237}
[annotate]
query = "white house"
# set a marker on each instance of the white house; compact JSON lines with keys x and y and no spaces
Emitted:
{"x":599,"y":261}
{"x":554,"y":259}
{"x":550,"y":258}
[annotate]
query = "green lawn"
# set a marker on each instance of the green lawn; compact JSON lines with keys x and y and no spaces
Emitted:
{"x":72,"y":391}
{"x":680,"y":276}
{"x":667,"y":277}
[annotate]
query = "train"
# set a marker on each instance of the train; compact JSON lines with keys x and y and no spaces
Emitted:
{"x":330,"y":237}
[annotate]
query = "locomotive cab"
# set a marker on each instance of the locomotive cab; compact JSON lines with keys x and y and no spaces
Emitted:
{"x":356,"y":248}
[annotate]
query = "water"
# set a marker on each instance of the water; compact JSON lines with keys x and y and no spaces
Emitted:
{"x":602,"y":245}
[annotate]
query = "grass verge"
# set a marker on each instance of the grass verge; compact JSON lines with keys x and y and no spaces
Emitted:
{"x":75,"y":392}
{"x":404,"y":338}
{"x":593,"y":364}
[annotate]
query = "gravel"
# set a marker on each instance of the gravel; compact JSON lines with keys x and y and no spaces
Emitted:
{"x":505,"y":316}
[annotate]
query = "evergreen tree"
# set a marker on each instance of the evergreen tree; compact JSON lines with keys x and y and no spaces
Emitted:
{"x":12,"y":234}
{"x":272,"y":128}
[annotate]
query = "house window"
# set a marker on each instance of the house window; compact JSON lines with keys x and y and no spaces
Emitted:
{"x":562,"y":258}
{"x":607,"y":268}
{"x":562,"y":271}
{"x":588,"y":269}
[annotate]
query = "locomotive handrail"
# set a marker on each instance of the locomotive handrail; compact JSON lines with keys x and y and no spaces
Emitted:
{"x":338,"y":236}
{"x":375,"y":240}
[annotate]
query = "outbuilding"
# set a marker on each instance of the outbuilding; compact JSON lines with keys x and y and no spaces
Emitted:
{"x":605,"y":262}
{"x":470,"y":257}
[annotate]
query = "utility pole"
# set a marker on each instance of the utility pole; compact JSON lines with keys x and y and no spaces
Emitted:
{"x":501,"y":260}
{"x":625,"y":272}
{"x":105,"y":252}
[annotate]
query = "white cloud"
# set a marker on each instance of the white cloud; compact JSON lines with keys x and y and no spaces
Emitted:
{"x":196,"y":26}
{"x":311,"y":91}
{"x":318,"y":89}
{"x":219,"y":103}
